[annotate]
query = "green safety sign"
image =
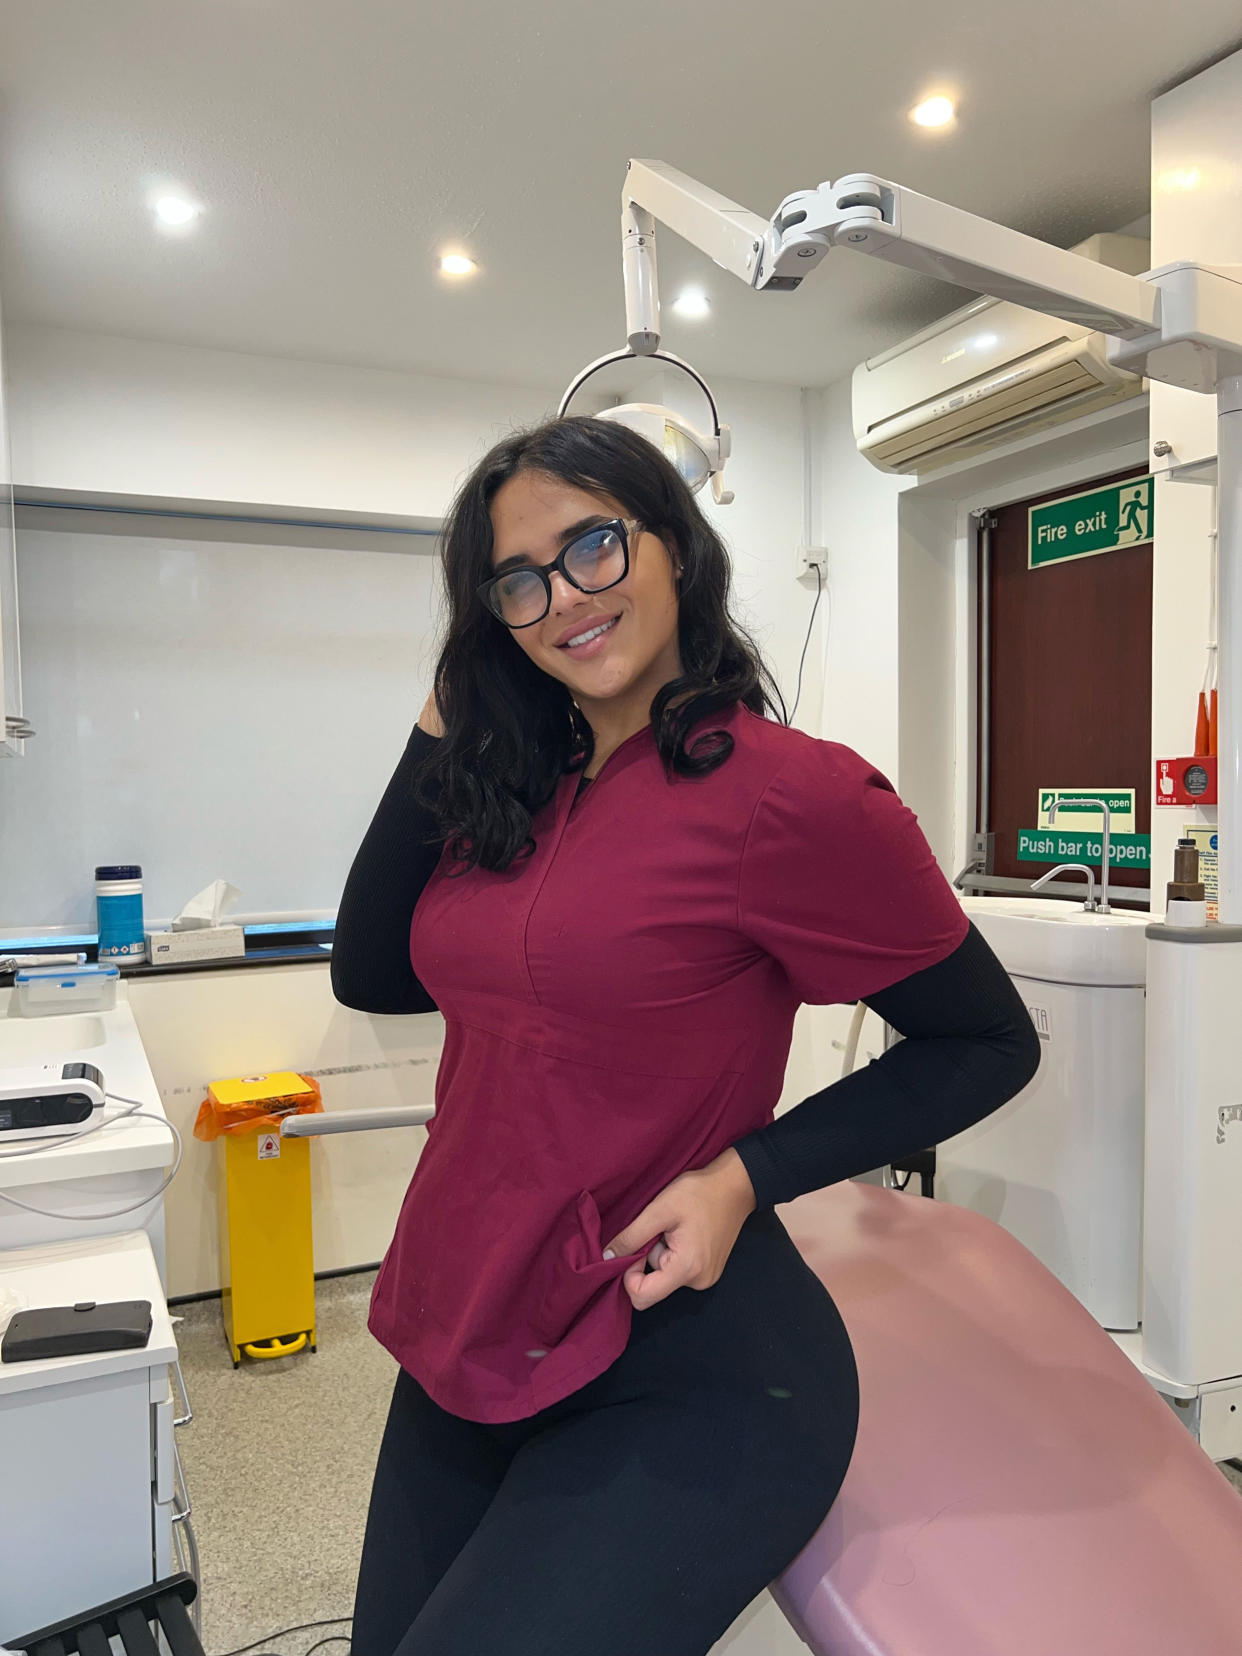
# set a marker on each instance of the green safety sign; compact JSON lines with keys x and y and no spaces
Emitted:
{"x":1097,"y":520}
{"x":1076,"y":803}
{"x":1050,"y":845}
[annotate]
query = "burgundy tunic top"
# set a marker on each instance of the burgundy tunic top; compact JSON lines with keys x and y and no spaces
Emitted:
{"x":618,"y":1010}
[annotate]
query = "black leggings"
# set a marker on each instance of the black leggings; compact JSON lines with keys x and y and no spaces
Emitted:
{"x":640,"y":1515}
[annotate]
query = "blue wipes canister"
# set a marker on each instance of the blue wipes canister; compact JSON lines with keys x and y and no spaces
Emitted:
{"x":118,"y":903}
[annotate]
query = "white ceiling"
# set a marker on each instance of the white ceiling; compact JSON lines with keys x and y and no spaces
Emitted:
{"x":338,"y":144}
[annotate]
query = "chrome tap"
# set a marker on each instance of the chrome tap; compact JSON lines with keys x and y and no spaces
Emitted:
{"x":1062,"y":868}
{"x":1069,"y":868}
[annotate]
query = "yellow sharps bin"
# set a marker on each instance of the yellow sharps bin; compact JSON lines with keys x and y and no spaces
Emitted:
{"x":267,"y":1266}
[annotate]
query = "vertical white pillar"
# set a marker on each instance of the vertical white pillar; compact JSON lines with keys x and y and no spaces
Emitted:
{"x":1229,"y":634}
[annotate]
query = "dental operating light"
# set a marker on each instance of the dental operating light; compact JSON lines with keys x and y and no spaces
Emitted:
{"x":696,"y":455}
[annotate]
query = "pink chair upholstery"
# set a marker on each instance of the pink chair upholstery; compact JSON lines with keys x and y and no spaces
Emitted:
{"x":1018,"y":1488}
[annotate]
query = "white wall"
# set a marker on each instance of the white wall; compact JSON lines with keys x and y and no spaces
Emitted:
{"x":764,"y":525}
{"x":928,"y":643}
{"x":889,"y":676}
{"x":103,"y":416}
{"x":856,"y":518}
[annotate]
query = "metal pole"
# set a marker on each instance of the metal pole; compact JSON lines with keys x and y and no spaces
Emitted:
{"x":986,"y":522}
{"x":1229,"y":636}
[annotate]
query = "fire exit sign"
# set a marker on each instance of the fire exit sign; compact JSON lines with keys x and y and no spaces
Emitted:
{"x":1097,"y":520}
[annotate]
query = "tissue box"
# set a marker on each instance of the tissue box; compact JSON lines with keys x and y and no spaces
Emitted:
{"x":171,"y":948}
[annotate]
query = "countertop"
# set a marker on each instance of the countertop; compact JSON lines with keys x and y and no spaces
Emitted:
{"x":100,"y":1268}
{"x":109,"y":1040}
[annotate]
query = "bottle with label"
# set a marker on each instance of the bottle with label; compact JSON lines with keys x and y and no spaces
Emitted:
{"x":118,"y":904}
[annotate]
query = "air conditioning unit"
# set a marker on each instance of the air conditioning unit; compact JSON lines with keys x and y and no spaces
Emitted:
{"x":985,"y":374}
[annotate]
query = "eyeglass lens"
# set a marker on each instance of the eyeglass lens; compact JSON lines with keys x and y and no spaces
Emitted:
{"x":595,"y":560}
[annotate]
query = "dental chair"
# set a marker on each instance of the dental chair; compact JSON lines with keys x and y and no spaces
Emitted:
{"x":1017,"y":1487}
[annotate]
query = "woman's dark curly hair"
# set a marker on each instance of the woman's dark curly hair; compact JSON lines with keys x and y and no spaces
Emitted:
{"x":511,"y":730}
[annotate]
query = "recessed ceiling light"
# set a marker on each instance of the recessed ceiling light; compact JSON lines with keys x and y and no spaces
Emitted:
{"x":1181,"y":178}
{"x":693,"y":303}
{"x":932,"y":112}
{"x":457,"y":264}
{"x":175,"y":210}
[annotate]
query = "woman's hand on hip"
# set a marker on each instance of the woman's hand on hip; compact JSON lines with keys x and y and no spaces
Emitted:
{"x":698,"y":1218}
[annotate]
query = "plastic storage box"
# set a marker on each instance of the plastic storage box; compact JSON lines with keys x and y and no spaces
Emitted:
{"x":44,"y":991}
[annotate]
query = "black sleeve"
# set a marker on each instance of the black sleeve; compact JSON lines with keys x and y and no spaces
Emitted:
{"x":969,"y":1047}
{"x":371,"y":968}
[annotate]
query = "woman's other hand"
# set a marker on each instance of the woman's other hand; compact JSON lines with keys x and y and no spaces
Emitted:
{"x":697,"y":1218}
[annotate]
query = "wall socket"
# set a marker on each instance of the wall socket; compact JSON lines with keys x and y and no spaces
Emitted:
{"x":806,"y":559}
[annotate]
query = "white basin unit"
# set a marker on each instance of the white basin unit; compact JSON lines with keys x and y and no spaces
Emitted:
{"x":79,"y":1186}
{"x":1061,"y":1165}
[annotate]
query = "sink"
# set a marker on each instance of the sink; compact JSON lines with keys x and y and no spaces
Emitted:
{"x":40,"y":1040}
{"x":1060,"y":942}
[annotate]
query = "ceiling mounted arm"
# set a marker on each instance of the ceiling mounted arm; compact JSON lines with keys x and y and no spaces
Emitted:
{"x":729,"y":234}
{"x":871,"y":215}
{"x":868,"y":215}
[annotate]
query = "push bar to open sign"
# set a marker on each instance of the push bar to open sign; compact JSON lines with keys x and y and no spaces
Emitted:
{"x":1050,"y":846}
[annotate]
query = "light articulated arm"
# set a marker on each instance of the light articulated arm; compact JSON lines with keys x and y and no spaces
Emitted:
{"x":869,"y":215}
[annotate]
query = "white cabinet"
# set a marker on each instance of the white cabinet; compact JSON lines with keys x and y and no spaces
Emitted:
{"x":93,"y":1501}
{"x":1060,"y":1166}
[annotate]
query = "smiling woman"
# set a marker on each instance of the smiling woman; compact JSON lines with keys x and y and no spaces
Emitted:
{"x":598,"y":1315}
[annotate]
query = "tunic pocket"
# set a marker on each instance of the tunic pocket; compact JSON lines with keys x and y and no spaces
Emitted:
{"x":577,"y":1276}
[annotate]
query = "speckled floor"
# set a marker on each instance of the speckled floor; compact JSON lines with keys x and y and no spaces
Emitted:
{"x":278,"y":1460}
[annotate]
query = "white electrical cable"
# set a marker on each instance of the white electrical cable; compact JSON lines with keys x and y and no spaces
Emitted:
{"x":808,"y":470}
{"x":105,"y":1120}
{"x":1211,"y":671}
{"x":134,"y":1113}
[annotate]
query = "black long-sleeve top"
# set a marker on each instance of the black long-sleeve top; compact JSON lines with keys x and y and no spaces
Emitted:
{"x":968,"y":1047}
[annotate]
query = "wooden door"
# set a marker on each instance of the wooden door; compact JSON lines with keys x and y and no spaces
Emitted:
{"x":1069,"y":681}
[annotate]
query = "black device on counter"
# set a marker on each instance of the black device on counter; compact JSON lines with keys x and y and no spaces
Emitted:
{"x":73,"y":1330}
{"x":49,"y":1101}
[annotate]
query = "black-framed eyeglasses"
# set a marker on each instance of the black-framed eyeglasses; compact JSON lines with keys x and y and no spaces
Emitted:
{"x":592,"y":562}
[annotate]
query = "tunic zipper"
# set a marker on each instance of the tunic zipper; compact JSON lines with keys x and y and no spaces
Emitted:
{"x":578,"y":789}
